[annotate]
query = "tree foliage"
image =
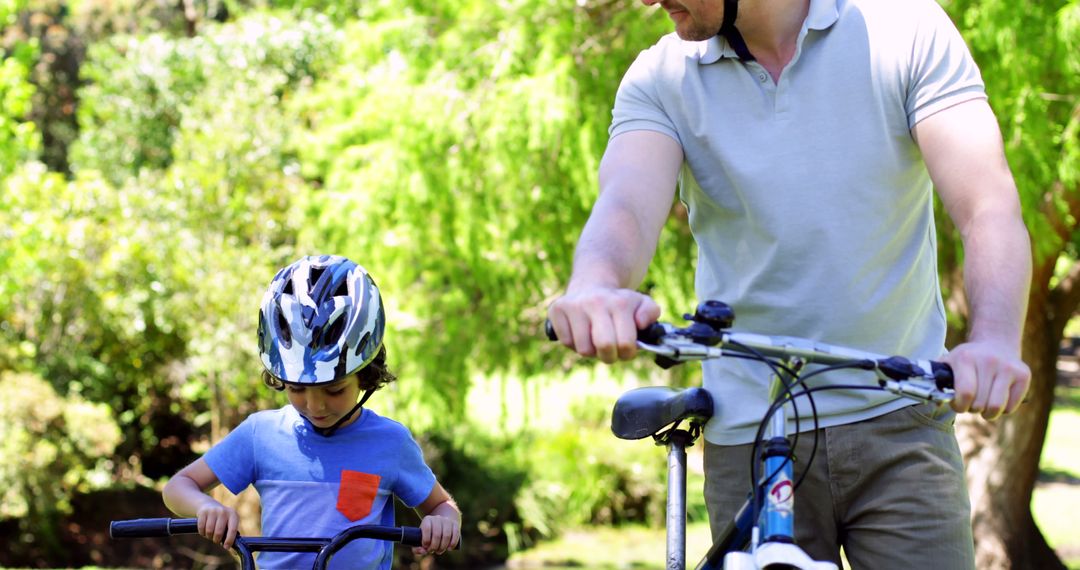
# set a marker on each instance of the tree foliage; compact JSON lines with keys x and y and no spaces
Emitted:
{"x":53,"y":446}
{"x":460,"y":167}
{"x":19,"y":136}
{"x":1030,"y":62}
{"x":137,"y":282}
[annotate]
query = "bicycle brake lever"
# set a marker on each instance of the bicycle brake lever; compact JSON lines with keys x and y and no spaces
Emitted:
{"x":918,"y":388}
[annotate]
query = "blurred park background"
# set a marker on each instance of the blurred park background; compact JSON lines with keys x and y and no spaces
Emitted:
{"x":159,"y":160}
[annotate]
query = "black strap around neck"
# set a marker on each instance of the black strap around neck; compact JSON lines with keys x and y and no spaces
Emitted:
{"x":327,"y":432}
{"x":731,"y":34}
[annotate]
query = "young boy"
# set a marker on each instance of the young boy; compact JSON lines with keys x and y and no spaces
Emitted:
{"x":323,"y":463}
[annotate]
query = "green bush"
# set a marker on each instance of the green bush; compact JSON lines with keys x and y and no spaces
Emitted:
{"x":581,"y":477}
{"x":484,"y":473}
{"x":53,"y":447}
{"x":516,"y":489}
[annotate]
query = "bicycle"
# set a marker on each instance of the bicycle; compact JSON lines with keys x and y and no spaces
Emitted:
{"x":761,"y":535}
{"x":244,"y":547}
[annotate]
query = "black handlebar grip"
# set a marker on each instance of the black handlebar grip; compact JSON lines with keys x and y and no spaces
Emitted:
{"x":943,"y":375}
{"x":652,"y":333}
{"x":411,"y":536}
{"x":149,"y":528}
{"x":549,"y":330}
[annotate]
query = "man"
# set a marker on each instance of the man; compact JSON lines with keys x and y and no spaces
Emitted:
{"x":803,"y":136}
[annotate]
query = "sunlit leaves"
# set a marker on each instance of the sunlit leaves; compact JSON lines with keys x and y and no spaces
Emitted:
{"x":52,"y":446}
{"x":19,"y":137}
{"x":458,"y":152}
{"x":1029,"y":58}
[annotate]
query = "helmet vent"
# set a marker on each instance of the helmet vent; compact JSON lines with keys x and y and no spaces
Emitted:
{"x":361,"y":344}
{"x":313,"y":278}
{"x":342,"y":289}
{"x":332,"y":333}
{"x":283,"y":328}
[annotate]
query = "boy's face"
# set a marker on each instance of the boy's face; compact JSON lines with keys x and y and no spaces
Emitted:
{"x":325,"y":405}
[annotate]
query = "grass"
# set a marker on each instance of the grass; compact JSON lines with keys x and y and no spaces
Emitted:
{"x":606,"y":548}
{"x":1057,"y":496}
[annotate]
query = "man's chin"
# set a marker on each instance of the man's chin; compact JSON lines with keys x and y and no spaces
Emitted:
{"x":693,"y":35}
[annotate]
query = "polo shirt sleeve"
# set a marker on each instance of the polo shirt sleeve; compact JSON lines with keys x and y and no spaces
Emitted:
{"x":638,"y":105}
{"x":942,"y":72}
{"x":233,"y":459}
{"x":414,"y":480}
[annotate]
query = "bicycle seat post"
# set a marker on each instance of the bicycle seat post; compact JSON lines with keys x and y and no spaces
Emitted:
{"x":677,"y":442}
{"x":659,"y":411}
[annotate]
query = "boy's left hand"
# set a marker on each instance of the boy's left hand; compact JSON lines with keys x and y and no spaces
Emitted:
{"x":439,"y":535}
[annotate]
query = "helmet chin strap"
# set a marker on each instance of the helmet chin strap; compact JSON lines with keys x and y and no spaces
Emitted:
{"x":329,"y":431}
{"x":731,"y":34}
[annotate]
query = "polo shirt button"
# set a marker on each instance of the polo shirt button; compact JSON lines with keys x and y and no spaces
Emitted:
{"x":762,"y":77}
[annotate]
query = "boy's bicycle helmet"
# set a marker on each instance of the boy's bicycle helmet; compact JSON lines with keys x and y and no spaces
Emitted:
{"x":321,"y":319}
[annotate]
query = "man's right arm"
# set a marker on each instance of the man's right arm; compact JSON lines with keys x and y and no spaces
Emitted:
{"x":601,"y":313}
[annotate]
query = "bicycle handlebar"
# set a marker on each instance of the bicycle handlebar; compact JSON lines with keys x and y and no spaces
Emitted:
{"x":708,"y":336}
{"x":161,"y":527}
{"x":324,"y":548}
{"x":151,"y":528}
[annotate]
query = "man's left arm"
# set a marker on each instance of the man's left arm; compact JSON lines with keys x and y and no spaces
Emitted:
{"x":964,"y":154}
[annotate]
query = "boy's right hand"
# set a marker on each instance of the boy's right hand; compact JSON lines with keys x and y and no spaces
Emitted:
{"x":440,"y":533}
{"x":218,"y":523}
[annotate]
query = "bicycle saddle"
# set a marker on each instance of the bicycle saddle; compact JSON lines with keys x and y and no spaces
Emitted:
{"x":642,"y":412}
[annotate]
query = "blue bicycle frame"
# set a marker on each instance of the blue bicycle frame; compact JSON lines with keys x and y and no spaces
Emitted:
{"x":776,"y":501}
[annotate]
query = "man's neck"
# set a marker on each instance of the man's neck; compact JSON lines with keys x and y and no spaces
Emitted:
{"x":771,"y":29}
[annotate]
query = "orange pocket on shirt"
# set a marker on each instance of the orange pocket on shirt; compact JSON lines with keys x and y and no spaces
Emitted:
{"x":356,"y":494}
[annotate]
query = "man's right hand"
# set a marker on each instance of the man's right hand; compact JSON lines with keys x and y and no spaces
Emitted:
{"x":602,"y":321}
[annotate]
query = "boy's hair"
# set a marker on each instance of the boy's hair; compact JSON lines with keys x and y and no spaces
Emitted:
{"x":375,"y":375}
{"x":371,"y":377}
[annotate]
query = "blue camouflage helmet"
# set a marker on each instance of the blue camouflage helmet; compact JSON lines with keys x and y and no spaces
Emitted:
{"x":321,"y":319}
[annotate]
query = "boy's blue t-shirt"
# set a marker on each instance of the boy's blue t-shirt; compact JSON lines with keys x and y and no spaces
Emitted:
{"x":315,"y":486}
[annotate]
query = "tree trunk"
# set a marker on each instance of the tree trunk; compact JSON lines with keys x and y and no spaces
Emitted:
{"x":1002,"y":458}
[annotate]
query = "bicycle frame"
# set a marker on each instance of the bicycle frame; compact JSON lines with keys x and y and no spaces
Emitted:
{"x":744,"y":546}
{"x":747,"y":544}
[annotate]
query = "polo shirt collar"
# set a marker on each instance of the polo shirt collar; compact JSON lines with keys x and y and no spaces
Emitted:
{"x":822,"y":15}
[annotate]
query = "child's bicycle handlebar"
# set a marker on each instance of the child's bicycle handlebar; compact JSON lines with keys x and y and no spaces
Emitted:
{"x":245,"y":547}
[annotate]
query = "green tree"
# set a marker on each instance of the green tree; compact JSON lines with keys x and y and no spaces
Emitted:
{"x":19,"y":137}
{"x":1030,"y":59}
{"x":456,"y":148}
{"x":137,"y":285}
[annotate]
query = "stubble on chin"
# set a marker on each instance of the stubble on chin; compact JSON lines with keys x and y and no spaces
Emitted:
{"x":694,"y":34}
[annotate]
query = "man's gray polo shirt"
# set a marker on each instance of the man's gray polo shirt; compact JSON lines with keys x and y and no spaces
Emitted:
{"x":808,"y":196}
